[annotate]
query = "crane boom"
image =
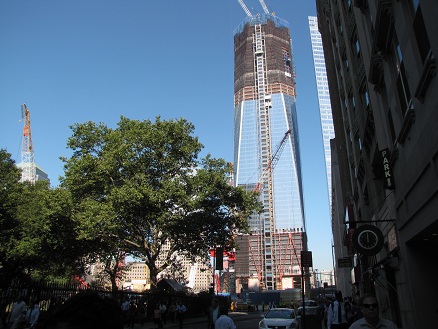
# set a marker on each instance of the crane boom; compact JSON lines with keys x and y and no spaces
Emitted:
{"x":265,"y":8}
{"x":273,"y":161}
{"x":245,"y":8}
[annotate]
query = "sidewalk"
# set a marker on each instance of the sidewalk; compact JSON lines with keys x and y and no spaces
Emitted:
{"x":169,"y":324}
{"x":187,"y":322}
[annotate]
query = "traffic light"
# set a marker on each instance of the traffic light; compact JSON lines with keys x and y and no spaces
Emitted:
{"x":219,"y":258}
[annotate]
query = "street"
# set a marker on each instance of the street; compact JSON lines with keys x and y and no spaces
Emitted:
{"x":242,"y":320}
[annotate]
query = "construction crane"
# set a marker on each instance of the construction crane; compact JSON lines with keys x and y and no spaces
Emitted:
{"x":265,"y":8}
{"x":273,"y":161}
{"x":267,"y":172}
{"x":27,"y":152}
{"x":245,"y":8}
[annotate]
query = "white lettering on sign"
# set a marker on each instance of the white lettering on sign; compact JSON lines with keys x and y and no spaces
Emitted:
{"x":387,"y":170}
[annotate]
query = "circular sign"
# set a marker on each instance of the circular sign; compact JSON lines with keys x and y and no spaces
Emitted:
{"x":368,"y":240}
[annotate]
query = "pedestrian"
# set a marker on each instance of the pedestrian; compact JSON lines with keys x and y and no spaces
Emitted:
{"x":132,"y":313}
{"x":224,"y":321}
{"x":125,"y":310}
{"x":143,"y":312}
{"x":18,"y":309}
{"x":85,"y":310}
{"x":157,"y":316}
{"x":163,"y":308}
{"x":355,"y":311}
{"x":180,"y":313}
{"x":212,"y":313}
{"x":172,"y":310}
{"x":32,"y":315}
{"x":371,"y":317}
{"x":337,"y":314}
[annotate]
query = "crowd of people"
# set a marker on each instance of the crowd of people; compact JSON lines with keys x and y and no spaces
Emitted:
{"x":22,"y":315}
{"x":92,"y":311}
{"x":134,"y":311}
{"x":351,"y":313}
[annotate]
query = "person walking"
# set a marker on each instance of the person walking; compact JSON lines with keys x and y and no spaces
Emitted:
{"x":371,"y":318}
{"x":18,"y":310}
{"x":224,"y":321}
{"x":125,"y":309}
{"x":132,"y":314}
{"x":212,"y":313}
{"x":180,"y":313}
{"x":32,"y":315}
{"x":337,"y":314}
{"x":157,"y":316}
{"x":172,"y":310}
{"x":163,"y":308}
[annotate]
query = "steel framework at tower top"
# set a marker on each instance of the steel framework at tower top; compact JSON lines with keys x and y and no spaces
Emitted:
{"x":27,"y":152}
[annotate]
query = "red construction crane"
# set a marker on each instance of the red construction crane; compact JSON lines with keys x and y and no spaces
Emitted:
{"x":27,"y":153}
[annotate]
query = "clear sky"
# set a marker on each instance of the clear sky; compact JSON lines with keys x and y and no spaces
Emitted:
{"x":74,"y":61}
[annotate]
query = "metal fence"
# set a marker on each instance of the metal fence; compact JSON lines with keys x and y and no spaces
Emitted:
{"x":46,"y":294}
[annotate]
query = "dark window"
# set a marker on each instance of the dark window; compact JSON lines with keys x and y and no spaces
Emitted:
{"x":403,"y":91}
{"x":421,"y":35}
{"x":391,"y":126}
{"x":415,"y":4}
{"x":366,"y":198}
{"x":404,"y":94}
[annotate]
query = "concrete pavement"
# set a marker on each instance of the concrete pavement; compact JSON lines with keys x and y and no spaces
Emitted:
{"x":187,"y":322}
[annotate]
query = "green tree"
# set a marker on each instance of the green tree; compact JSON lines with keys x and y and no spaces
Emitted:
{"x":142,"y":186}
{"x":10,"y":199}
{"x":46,"y":241}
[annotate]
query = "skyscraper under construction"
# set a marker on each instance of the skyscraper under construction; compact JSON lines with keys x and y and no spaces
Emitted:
{"x":266,"y":154}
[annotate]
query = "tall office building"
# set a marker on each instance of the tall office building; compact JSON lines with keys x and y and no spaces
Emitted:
{"x":382,"y":68}
{"x":343,"y":280}
{"x":325,"y":109}
{"x":266,"y":154}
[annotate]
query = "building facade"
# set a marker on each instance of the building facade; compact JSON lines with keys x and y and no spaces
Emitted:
{"x":343,"y":281}
{"x":322,"y":88}
{"x":37,"y":173}
{"x":137,"y":277}
{"x":381,"y":67}
{"x":266,"y":150}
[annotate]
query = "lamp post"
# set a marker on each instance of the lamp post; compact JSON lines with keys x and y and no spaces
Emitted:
{"x":306,"y":262}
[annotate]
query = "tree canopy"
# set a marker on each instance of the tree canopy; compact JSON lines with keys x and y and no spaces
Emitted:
{"x":37,"y":234}
{"x":141,"y":188}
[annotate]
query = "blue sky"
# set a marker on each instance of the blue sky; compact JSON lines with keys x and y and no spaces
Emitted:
{"x":74,"y":61}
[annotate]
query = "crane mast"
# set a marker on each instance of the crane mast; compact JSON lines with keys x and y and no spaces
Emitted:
{"x":27,"y":152}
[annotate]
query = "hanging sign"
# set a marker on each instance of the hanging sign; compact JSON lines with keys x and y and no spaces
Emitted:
{"x":387,"y":170}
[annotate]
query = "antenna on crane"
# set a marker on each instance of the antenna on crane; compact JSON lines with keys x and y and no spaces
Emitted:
{"x":245,"y":8}
{"x":265,"y":8}
{"x":27,"y":153}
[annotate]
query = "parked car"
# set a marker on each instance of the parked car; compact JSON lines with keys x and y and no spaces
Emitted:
{"x":279,"y":318}
{"x":314,"y":314}
{"x":241,"y":306}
